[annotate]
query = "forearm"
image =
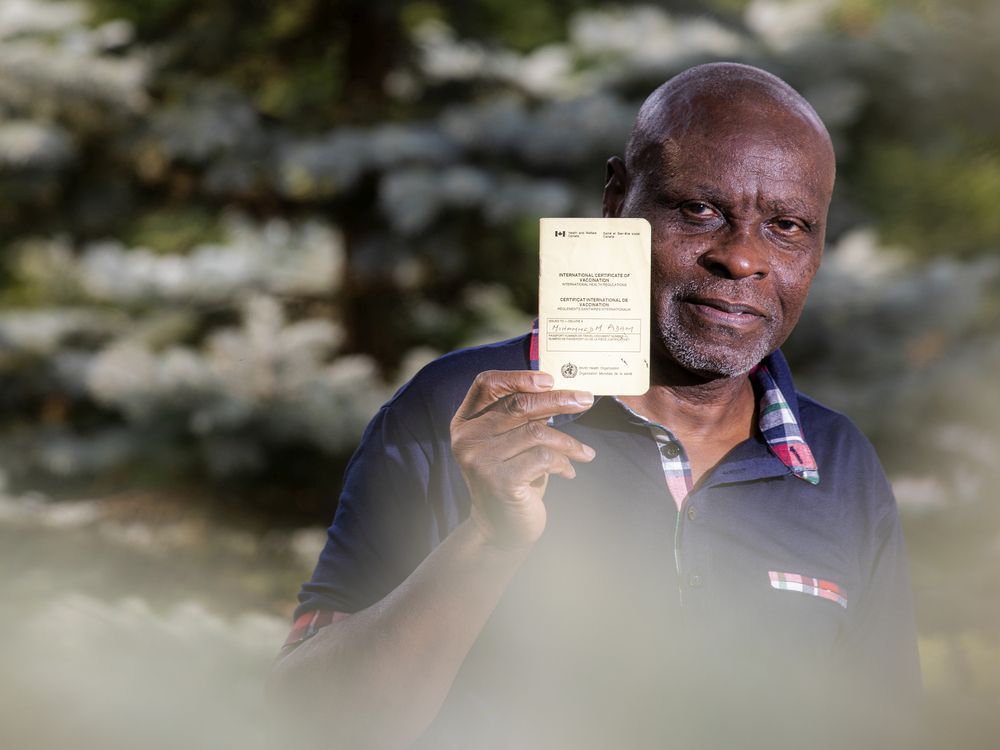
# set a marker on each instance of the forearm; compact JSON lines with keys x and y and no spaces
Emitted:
{"x":378,"y":677}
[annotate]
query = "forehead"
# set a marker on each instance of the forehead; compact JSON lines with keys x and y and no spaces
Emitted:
{"x":778,"y":158}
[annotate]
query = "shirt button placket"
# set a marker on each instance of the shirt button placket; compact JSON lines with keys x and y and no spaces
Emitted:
{"x":695,"y":566}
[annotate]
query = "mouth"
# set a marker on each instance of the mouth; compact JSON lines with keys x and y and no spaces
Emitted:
{"x":727,"y":312}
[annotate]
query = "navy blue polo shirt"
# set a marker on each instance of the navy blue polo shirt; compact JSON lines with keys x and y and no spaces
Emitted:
{"x":763,"y":605}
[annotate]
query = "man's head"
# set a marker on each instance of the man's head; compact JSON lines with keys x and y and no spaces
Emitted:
{"x":734,"y":171}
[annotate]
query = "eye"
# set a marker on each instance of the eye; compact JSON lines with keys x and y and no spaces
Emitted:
{"x":698,"y":210}
{"x":788,"y":226}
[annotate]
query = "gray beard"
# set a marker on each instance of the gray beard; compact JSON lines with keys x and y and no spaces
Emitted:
{"x":693,"y":354}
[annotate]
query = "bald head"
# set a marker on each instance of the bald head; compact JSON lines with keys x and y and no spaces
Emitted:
{"x":714,"y":98}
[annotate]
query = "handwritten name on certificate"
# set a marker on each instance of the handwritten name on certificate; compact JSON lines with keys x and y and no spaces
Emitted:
{"x":593,"y":298}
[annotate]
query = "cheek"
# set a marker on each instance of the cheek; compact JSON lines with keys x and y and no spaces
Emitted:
{"x":674,"y":257}
{"x":667,"y":273}
{"x":792,"y":294}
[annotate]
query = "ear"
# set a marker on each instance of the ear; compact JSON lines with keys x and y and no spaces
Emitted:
{"x":615,"y":187}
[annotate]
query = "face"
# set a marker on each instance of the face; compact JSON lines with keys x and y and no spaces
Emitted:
{"x":738,"y":214}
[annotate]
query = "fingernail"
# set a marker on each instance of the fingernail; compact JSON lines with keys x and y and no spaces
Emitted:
{"x":543,"y":380}
{"x":589,"y":452}
{"x":583,"y":398}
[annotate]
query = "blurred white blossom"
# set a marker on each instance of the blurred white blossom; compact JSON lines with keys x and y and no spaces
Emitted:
{"x":413,"y":199}
{"x":43,"y":332}
{"x":276,"y":257}
{"x":280,"y":378}
{"x":31,"y":70}
{"x":648,"y":38}
{"x":33,"y":145}
{"x":786,"y":23}
{"x":19,"y":17}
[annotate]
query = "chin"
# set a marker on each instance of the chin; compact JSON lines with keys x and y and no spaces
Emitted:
{"x":714,"y":360}
{"x":713,"y":369}
{"x":712,"y":350}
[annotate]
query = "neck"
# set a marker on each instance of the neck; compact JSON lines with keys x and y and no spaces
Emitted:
{"x":698,"y":408}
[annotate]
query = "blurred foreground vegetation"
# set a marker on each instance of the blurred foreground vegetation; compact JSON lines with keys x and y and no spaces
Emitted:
{"x":228,"y":230}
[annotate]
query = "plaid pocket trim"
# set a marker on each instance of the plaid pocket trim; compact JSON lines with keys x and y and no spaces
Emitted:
{"x":812,"y":586}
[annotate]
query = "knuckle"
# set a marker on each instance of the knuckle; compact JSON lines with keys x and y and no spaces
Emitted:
{"x":516,"y":404}
{"x":493,"y":383}
{"x":461,"y":456}
{"x":462,"y":447}
{"x":483,"y":386}
{"x":544,"y":455}
{"x":486,"y":378}
{"x":457,"y":431}
{"x":536,"y":431}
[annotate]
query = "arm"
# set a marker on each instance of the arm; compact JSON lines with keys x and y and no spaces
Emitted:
{"x":378,"y":677}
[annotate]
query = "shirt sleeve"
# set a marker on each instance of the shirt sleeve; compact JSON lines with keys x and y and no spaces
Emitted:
{"x":403,"y":492}
{"x":383,"y":526}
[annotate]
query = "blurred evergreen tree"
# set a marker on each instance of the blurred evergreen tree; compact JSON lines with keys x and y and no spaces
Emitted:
{"x":428,"y":136}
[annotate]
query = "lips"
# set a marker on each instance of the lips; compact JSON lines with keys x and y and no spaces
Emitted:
{"x":725,"y":311}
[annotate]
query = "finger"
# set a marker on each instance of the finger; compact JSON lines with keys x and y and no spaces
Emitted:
{"x":492,"y":385}
{"x":518,"y":408}
{"x":533,"y":465}
{"x":537,"y":433}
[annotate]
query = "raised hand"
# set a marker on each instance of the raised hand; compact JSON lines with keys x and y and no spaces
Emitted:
{"x":507,"y":451}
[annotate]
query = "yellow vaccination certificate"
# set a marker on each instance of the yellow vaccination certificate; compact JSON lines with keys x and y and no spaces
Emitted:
{"x":593,"y":299}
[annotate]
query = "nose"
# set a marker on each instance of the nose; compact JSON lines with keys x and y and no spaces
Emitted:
{"x":737,"y":255}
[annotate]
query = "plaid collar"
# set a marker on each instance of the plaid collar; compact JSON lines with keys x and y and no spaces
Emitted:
{"x":777,"y":423}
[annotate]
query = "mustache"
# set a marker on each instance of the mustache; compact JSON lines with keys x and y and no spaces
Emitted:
{"x":734,"y":291}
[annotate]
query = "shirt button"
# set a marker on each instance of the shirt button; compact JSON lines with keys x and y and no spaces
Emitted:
{"x":671,"y":450}
{"x":692,"y":514}
{"x":694,"y":580}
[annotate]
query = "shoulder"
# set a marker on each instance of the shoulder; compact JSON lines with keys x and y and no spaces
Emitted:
{"x":827,"y":429}
{"x":845,"y":456}
{"x":843,"y":453}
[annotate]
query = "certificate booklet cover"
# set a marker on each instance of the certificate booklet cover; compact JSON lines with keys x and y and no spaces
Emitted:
{"x":593,"y":299}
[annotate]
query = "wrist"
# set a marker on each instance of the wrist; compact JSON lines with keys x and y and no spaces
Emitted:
{"x":490,"y":540}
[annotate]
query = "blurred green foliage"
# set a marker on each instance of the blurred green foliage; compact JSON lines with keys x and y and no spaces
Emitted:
{"x":431,"y":134}
{"x":938,"y":204}
{"x":174,"y":229}
{"x":296,"y":57}
{"x":925,"y":154}
{"x":925,"y":182}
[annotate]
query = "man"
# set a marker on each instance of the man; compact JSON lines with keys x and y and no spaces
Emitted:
{"x":725,"y":565}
